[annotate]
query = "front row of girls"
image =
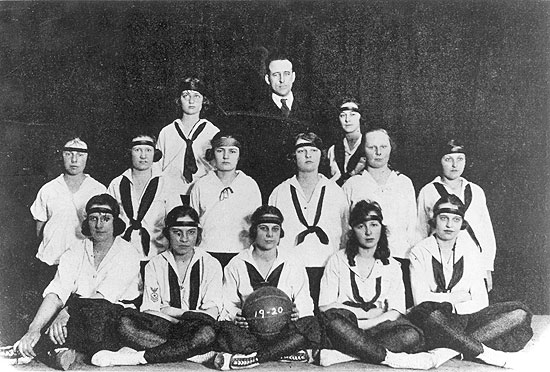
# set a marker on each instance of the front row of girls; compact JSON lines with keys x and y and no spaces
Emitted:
{"x":187,"y":313}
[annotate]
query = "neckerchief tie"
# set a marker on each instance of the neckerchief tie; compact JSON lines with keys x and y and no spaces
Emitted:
{"x":359,"y":301}
{"x":323,"y":238}
{"x":175,"y":289}
{"x":285,"y":110}
{"x":225,"y":193}
{"x":257,"y":280}
{"x":439,"y":277}
{"x":146,"y":201}
{"x":467,"y":201}
{"x":340,"y":158}
{"x":189,"y":161}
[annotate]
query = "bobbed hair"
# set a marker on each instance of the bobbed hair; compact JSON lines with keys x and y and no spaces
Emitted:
{"x":451,"y":199}
{"x":196,"y":84}
{"x":392,"y":142}
{"x":218,"y":141}
{"x":158,"y":154}
{"x":103,"y":199}
{"x":179,"y":212}
{"x":255,"y":220}
{"x":308,"y":137}
{"x":358,"y":214}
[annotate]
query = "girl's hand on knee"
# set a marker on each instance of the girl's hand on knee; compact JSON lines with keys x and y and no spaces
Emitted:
{"x":241,"y":321}
{"x":295,"y":315}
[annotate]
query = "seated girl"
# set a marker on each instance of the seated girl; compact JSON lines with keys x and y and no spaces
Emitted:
{"x":363,"y":298}
{"x":181,"y":300}
{"x":452,"y":305}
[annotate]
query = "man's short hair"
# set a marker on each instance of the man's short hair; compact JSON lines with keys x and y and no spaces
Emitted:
{"x":277,"y":56}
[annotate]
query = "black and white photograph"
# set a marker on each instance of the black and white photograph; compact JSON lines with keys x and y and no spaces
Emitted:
{"x":275,"y":185}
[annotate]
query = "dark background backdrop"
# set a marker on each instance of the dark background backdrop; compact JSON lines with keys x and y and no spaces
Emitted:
{"x":426,"y":70}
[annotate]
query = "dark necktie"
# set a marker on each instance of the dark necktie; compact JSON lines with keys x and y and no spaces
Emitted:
{"x":146,"y":201}
{"x":175,"y":290}
{"x":284,"y":108}
{"x":189,"y":162}
{"x":359,"y":301}
{"x":257,"y":280}
{"x":323,"y":237}
{"x":467,"y":201}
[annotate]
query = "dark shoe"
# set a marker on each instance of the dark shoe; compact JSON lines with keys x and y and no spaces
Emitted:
{"x":301,"y":356}
{"x":226,"y":361}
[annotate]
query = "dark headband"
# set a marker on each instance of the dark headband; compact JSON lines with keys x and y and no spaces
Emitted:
{"x":269,"y":218}
{"x":456,"y":211}
{"x":77,"y":149}
{"x":184,"y":224}
{"x":305,"y":144}
{"x":369,"y":217}
{"x":143,"y":142}
{"x":99,"y":210}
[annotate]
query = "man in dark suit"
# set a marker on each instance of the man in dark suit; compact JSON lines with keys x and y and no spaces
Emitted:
{"x":282,"y":102}
{"x":277,"y":117}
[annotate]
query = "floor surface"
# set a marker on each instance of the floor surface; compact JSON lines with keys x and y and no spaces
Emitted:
{"x":537,"y":351}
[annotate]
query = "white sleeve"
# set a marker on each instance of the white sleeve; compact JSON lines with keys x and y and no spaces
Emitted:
{"x":212,"y":282}
{"x":422,"y":226}
{"x":330,"y":283}
{"x":231,"y":299}
{"x":39,"y":208}
{"x":152,"y":295}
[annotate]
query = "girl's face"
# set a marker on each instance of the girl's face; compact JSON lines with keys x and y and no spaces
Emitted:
{"x":377,"y":149}
{"x":453,"y":165}
{"x":191,"y":102}
{"x":368,"y":233}
{"x":183,"y":238}
{"x":447,"y":225}
{"x":142,"y":157}
{"x":308,"y":158}
{"x":74,"y":162}
{"x":349,"y":120}
{"x":267,"y":236}
{"x":226,"y":158}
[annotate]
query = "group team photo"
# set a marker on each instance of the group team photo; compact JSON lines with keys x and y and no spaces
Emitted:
{"x":236,"y":184}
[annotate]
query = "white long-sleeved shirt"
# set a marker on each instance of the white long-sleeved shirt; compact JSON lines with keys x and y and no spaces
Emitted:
{"x":116,"y":278}
{"x":423,"y":280}
{"x":336,"y":283}
{"x":237,"y":287}
{"x":477,"y":216}
{"x":333,"y":220}
{"x":173,"y":150}
{"x":397,"y":199}
{"x":63,"y":213}
{"x":225,"y":219}
{"x":156,"y":291}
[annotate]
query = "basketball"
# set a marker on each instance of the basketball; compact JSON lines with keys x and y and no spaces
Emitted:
{"x":267,"y":310}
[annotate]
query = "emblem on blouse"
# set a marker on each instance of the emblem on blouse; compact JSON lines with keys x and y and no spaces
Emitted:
{"x":154,"y":294}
